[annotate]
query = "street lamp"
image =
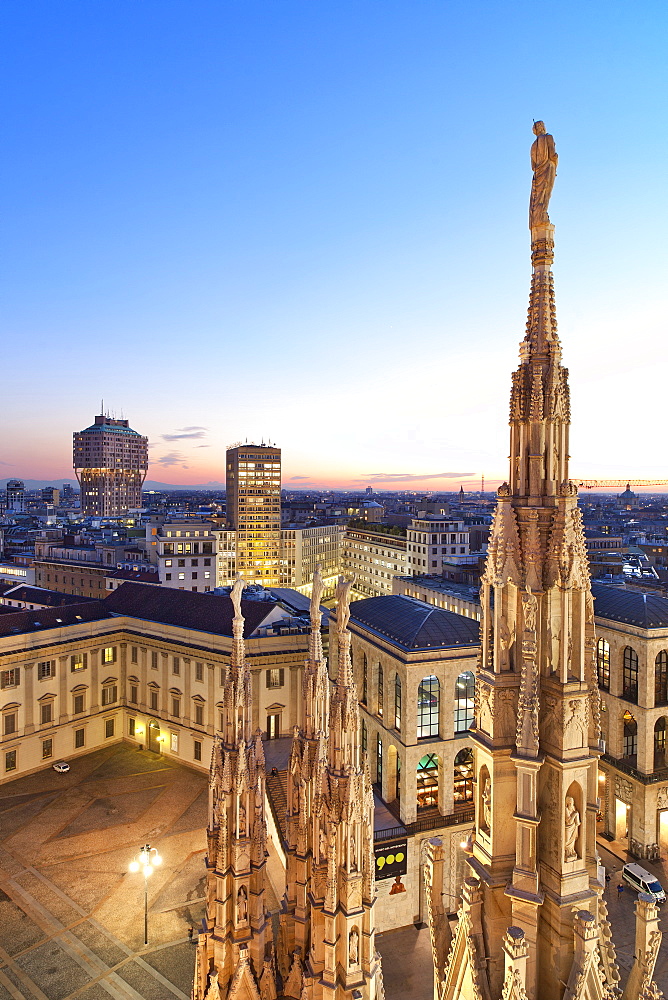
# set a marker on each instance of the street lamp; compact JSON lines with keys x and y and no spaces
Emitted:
{"x":147,"y":859}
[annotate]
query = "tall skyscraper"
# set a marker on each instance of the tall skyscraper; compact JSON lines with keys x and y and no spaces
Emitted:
{"x":253,"y":483}
{"x":110,"y":462}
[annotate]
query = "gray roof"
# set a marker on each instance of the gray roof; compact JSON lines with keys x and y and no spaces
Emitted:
{"x":629,"y":606}
{"x":413,"y":624}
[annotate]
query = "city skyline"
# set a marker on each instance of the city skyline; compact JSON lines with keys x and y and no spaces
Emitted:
{"x":179,"y":188}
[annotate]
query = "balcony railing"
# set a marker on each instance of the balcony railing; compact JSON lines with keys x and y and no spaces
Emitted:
{"x":658,"y":774}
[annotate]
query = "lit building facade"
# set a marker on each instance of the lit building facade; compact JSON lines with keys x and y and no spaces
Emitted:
{"x":253,"y":490}
{"x":147,"y":665}
{"x":185,"y":553}
{"x":110,"y":462}
{"x":304,"y":549}
{"x":374,"y":556}
{"x":434,"y":544}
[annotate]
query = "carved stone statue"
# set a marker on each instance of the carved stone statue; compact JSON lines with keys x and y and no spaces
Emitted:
{"x":571,"y":829}
{"x":506,"y":639}
{"x":487,"y":804}
{"x":353,"y":853}
{"x":544,"y":165}
{"x":242,"y":819}
{"x":353,"y":946}
{"x":235,"y":595}
{"x":316,"y":596}
{"x":530,"y":605}
{"x":242,"y":905}
{"x":343,"y":589}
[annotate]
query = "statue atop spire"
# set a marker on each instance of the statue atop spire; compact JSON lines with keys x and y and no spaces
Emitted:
{"x":544,"y":165}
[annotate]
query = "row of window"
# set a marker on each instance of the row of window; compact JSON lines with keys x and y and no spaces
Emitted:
{"x":428,"y":700}
{"x":630,"y":672}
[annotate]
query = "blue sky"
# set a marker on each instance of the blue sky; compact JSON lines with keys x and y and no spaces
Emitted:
{"x":307,"y":221}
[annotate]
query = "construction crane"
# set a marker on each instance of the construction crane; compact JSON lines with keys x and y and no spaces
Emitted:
{"x":601,"y":484}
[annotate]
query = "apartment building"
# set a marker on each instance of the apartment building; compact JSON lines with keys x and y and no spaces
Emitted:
{"x":145,"y":665}
{"x":302,"y":549}
{"x":374,"y":555}
{"x":437,"y":546}
{"x":185,"y":553}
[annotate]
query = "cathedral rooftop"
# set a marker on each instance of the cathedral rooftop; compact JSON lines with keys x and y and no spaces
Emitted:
{"x":631,"y":607}
{"x":413,"y":624}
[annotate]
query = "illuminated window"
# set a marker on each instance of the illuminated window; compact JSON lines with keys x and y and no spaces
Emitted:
{"x":661,"y":678}
{"x":397,"y":702}
{"x":630,"y":679}
{"x":603,"y":664}
{"x":428,"y":707}
{"x":464,"y":696}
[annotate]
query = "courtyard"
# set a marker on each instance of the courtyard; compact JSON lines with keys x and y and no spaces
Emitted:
{"x":71,"y":914}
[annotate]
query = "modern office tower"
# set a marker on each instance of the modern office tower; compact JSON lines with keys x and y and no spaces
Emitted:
{"x":110,"y":462}
{"x":50,"y":495}
{"x":253,"y":483}
{"x":15,"y":496}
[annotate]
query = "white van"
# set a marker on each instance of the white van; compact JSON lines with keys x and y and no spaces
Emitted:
{"x":642,"y":880}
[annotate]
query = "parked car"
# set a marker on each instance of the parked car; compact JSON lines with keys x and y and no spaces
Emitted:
{"x":61,"y":766}
{"x":642,"y":880}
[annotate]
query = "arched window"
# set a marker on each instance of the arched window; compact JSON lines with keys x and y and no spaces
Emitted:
{"x":661,"y":678}
{"x":630,"y":689}
{"x":365,"y":678}
{"x":380,"y":690}
{"x":630,"y":735}
{"x":603,"y":664}
{"x":464,"y":695}
{"x":379,"y":760}
{"x":660,"y":743}
{"x":428,"y":707}
{"x":397,"y":703}
{"x":463,"y":776}
{"x":427,"y":781}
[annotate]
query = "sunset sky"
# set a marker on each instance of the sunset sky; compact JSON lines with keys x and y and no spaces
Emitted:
{"x":307,"y":222}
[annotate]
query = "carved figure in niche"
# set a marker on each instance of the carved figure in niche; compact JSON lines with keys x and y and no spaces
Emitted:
{"x":662,"y":799}
{"x":242,"y":819}
{"x":571,"y":829}
{"x":353,"y":853}
{"x":486,"y":799}
{"x":574,"y":720}
{"x":354,"y":946}
{"x":506,"y":639}
{"x":322,"y":844}
{"x":302,"y":799}
{"x":343,"y":589}
{"x":530,"y":605}
{"x":544,"y":165}
{"x":242,"y":905}
{"x":235,"y":595}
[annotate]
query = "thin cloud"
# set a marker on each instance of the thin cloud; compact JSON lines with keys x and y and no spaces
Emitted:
{"x":202,"y":445}
{"x":186,"y":430}
{"x":407,"y":477}
{"x":181,"y":437}
{"x":173,"y":458}
{"x":7,"y":463}
{"x":299,"y":477}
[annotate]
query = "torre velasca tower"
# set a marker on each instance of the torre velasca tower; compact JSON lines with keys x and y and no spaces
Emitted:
{"x":110,"y":462}
{"x":533,"y":922}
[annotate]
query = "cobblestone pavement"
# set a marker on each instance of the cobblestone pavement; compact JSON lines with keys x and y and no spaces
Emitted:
{"x":71,"y":915}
